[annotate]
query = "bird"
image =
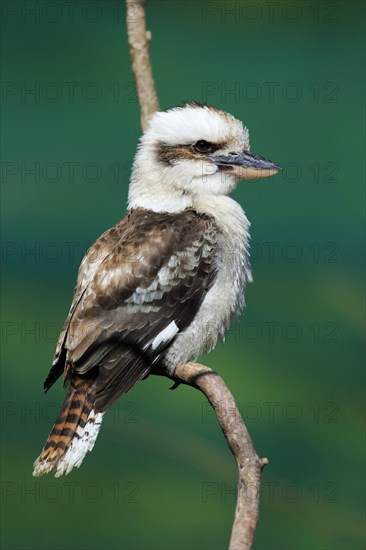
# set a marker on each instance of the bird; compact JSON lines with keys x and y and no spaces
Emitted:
{"x":162,"y":286}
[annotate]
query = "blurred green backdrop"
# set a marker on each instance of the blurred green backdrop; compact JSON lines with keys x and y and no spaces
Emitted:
{"x":160,"y":476}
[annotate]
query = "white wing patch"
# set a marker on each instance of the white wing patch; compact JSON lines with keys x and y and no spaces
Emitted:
{"x":165,"y":336}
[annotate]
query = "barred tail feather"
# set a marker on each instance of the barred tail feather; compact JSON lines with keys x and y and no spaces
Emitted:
{"x":73,"y":434}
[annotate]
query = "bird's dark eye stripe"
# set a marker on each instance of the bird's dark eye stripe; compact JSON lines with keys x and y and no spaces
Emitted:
{"x":170,"y":154}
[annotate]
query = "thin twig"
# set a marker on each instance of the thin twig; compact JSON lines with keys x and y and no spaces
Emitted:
{"x":194,"y":374}
{"x":138,"y":40}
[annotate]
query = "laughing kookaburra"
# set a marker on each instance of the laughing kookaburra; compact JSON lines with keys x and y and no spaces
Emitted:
{"x":161,"y":287}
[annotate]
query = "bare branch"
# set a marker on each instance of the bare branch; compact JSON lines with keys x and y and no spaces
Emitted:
{"x":138,"y":40}
{"x":194,"y":374}
{"x":240,"y":443}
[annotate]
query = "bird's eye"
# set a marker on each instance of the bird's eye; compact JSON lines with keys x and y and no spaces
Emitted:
{"x":202,"y":146}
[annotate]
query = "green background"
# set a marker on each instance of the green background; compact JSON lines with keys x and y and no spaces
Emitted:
{"x":160,"y":475}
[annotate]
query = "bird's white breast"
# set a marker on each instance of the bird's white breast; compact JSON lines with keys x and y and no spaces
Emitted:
{"x":226,"y":296}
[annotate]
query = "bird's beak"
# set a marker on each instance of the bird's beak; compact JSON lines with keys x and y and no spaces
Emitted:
{"x":246,"y":165}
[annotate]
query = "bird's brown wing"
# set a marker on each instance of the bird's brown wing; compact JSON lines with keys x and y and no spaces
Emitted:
{"x":90,"y":263}
{"x":139,"y":285}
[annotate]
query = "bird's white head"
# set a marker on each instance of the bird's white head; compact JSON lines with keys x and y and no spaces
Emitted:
{"x":189,"y":151}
